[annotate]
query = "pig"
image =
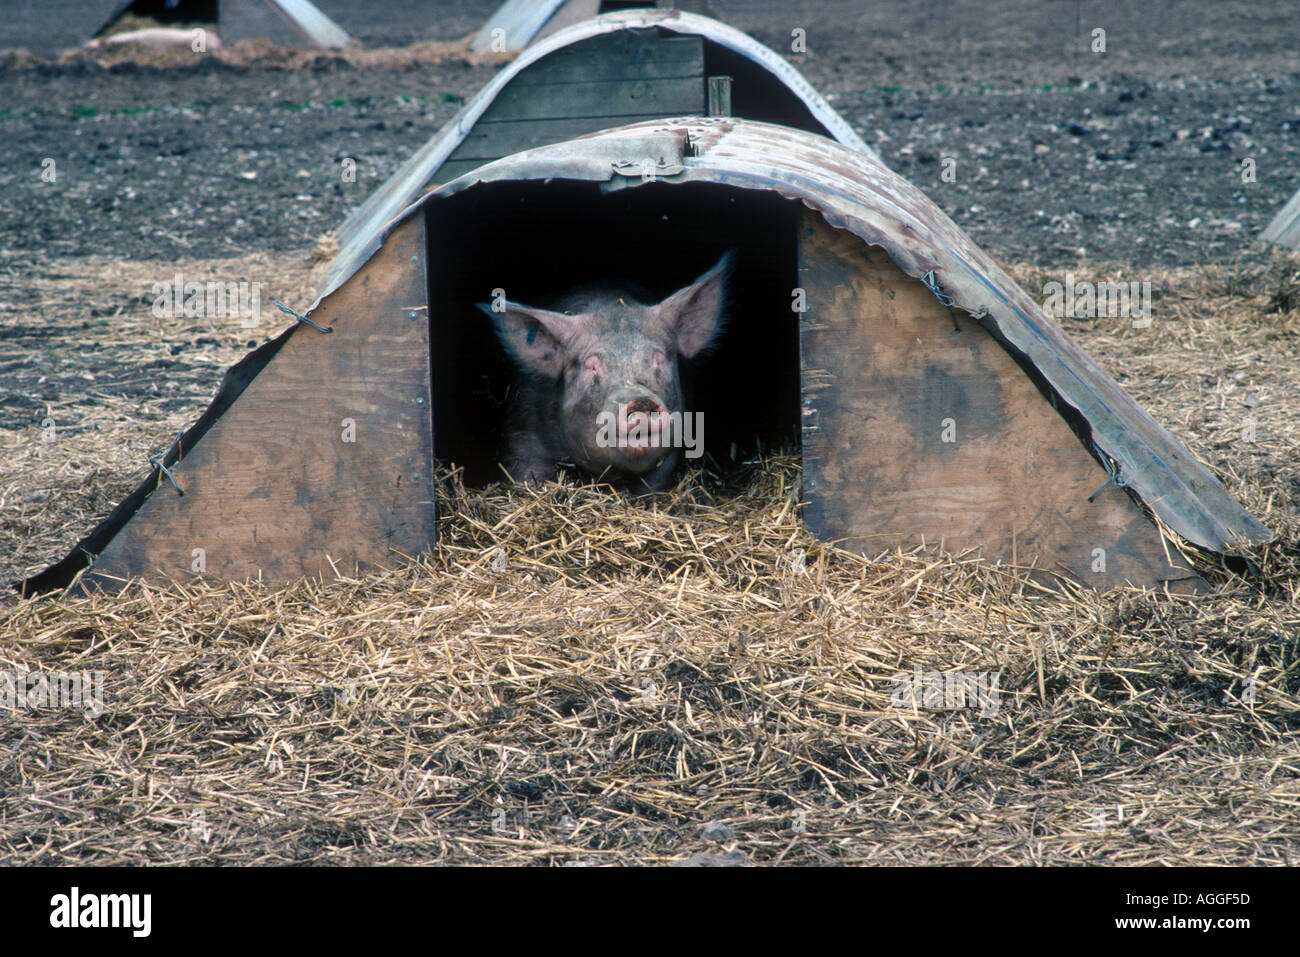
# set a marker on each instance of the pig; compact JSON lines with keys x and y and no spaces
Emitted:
{"x":160,"y":38}
{"x":599,"y":382}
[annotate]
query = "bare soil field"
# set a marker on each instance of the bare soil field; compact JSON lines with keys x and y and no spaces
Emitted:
{"x":572,"y":677}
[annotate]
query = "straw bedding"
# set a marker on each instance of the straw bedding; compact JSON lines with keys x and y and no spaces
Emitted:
{"x":572,"y":677}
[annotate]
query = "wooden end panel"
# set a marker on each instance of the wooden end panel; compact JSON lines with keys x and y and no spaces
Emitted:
{"x":671,"y":96}
{"x":605,"y":81}
{"x":622,"y":55}
{"x":920,"y":428}
{"x":326,"y":456}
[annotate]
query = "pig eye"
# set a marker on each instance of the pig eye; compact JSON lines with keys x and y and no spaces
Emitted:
{"x":593,"y":366}
{"x":659,"y":359}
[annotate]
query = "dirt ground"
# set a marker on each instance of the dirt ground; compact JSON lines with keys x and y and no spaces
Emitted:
{"x":449,"y":713}
{"x":1063,"y":155}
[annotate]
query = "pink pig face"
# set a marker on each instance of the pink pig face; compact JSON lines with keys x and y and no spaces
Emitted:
{"x":604,"y":358}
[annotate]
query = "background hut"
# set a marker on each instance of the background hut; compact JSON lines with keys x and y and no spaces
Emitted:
{"x":609,"y":71}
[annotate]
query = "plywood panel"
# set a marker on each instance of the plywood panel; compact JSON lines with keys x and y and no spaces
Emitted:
{"x":606,"y":81}
{"x":273,"y":489}
{"x":675,"y":96}
{"x":623,"y":55}
{"x":919,"y":427}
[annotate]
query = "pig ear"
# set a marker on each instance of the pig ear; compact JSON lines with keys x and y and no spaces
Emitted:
{"x":536,"y":338}
{"x":694,"y":314}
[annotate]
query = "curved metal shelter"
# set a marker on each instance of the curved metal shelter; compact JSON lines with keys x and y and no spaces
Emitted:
{"x":359,"y":232}
{"x":904,"y":331}
{"x":854,"y":191}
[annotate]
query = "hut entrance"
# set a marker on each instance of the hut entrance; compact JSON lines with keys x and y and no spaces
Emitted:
{"x":535,"y":240}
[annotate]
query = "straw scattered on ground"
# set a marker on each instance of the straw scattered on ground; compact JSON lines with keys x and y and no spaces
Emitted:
{"x":573,"y":677}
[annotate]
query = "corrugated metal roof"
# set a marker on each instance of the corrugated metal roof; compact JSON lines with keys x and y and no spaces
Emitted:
{"x":358,"y":235}
{"x":856,"y":192}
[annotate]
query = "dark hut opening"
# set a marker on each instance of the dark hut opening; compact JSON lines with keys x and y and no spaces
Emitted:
{"x":536,"y":240}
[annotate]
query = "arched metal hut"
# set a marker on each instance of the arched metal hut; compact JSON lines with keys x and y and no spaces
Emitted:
{"x":935,"y":400}
{"x":609,"y":71}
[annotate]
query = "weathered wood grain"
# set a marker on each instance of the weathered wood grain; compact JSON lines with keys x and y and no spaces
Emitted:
{"x":273,"y":490}
{"x":672,"y":96}
{"x":623,"y":55}
{"x":920,"y":427}
{"x":606,"y":81}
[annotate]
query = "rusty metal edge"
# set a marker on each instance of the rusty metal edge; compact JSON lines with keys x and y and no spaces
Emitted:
{"x":358,"y":236}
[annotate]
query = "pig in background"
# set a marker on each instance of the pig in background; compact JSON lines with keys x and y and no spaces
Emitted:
{"x":199,"y":39}
{"x":599,"y":380}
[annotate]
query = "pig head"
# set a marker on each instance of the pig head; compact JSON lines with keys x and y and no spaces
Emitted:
{"x":599,"y":382}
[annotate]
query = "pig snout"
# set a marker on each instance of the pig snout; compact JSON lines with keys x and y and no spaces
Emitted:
{"x":643,"y":431}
